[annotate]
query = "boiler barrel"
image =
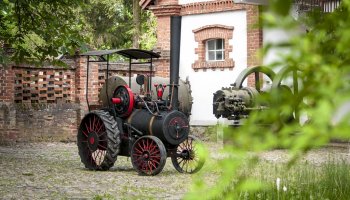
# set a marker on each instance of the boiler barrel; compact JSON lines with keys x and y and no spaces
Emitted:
{"x":185,"y":97}
{"x":170,"y":127}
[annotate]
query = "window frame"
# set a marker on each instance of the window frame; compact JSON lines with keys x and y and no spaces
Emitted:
{"x":215,"y":50}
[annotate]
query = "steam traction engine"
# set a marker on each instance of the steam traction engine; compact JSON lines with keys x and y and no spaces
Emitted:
{"x":137,"y":125}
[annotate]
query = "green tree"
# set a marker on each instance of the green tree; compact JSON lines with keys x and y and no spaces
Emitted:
{"x":118,"y":24}
{"x":136,"y":11}
{"x":107,"y":24}
{"x":34,"y":31}
{"x":38,"y":31}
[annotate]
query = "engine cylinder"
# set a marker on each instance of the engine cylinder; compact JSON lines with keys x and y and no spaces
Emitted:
{"x":171,"y":127}
{"x":230,"y":102}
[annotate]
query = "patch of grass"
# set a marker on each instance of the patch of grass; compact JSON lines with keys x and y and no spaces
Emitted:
{"x":104,"y":196}
{"x":303,"y":181}
{"x":205,"y":133}
{"x":134,"y":192}
{"x":211,"y":133}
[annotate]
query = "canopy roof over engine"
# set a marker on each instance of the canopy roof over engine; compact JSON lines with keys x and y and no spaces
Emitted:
{"x":129,"y":53}
{"x":141,"y":57}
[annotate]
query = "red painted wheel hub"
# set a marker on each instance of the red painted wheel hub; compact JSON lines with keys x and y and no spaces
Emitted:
{"x":146,"y":156}
{"x":92,"y":140}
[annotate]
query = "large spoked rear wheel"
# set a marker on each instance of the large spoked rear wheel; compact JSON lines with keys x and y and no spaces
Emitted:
{"x":98,"y":140}
{"x":148,"y":155}
{"x":186,"y":158}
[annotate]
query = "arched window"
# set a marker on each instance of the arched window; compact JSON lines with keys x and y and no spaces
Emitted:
{"x":213,"y":48}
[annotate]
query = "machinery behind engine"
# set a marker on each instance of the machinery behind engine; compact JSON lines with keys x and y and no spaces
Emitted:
{"x":236,"y":102}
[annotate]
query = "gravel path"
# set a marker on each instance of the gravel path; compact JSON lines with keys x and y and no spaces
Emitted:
{"x":337,"y":152}
{"x":54,"y":171}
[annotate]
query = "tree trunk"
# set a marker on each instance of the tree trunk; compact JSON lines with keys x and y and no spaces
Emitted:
{"x":136,"y":11}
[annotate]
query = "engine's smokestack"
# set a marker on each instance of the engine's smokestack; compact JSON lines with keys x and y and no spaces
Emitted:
{"x":175,"y":40}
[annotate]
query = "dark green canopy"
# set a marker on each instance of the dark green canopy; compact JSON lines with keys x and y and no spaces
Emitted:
{"x":129,"y":53}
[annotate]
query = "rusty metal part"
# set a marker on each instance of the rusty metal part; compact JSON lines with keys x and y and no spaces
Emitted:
{"x":234,"y":104}
{"x":281,"y":90}
{"x":237,"y":102}
{"x":113,"y":83}
{"x":256,"y":70}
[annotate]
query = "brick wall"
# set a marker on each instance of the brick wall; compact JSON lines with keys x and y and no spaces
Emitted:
{"x":38,"y":103}
{"x":47,"y":103}
{"x":38,"y":122}
{"x":44,"y":85}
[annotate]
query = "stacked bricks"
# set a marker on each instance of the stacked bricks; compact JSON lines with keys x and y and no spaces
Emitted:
{"x":44,"y":85}
{"x":38,"y":122}
{"x":81,"y":80}
{"x":255,"y":40}
{"x":6,"y":84}
{"x":254,"y":36}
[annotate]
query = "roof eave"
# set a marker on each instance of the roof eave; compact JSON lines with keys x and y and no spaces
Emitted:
{"x":145,"y":3}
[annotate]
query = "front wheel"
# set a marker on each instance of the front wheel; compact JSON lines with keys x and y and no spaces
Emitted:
{"x":98,"y":140}
{"x":148,"y":155}
{"x":186,"y":159}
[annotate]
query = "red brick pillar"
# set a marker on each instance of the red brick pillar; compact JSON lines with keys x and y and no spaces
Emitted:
{"x":80,"y":81}
{"x":8,"y":128}
{"x":254,"y":39}
{"x":163,"y":11}
{"x":7,"y":80}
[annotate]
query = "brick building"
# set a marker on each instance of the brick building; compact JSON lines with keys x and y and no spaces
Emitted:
{"x":218,"y":40}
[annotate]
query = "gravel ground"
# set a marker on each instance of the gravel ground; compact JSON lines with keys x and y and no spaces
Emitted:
{"x":337,"y":152}
{"x":54,"y":171}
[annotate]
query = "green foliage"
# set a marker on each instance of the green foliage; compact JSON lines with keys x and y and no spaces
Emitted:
{"x":34,"y":31}
{"x":109,"y":25}
{"x":148,"y":37}
{"x":280,"y":7}
{"x":39,"y":30}
{"x":320,"y":56}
